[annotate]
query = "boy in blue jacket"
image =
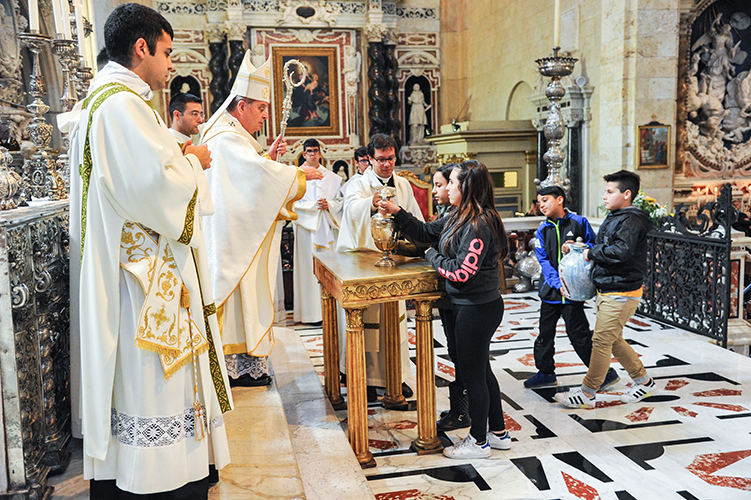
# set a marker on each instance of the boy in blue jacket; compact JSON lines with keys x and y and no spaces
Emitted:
{"x":560,"y":228}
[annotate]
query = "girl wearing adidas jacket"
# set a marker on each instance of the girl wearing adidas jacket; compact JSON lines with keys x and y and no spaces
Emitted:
{"x":469,"y":244}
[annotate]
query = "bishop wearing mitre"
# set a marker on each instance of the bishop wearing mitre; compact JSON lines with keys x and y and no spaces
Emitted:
{"x":253,"y":195}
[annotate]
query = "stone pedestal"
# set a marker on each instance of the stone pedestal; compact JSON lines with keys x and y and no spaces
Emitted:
{"x":419,"y":159}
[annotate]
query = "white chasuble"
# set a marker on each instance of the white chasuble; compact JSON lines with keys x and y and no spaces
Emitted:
{"x":253,"y":196}
{"x":148,"y":402}
{"x":354,"y":235}
{"x":315,"y":231}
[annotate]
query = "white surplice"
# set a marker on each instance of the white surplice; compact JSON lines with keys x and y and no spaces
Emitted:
{"x":179,"y":137}
{"x":253,"y":196}
{"x":315,"y":231}
{"x":135,"y":421}
{"x":354,"y":235}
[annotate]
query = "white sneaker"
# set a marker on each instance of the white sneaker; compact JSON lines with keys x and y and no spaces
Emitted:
{"x":467,"y":448}
{"x":639,"y":392}
{"x":575,"y":398}
{"x":499,"y":442}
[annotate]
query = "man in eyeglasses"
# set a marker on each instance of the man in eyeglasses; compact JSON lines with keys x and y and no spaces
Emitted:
{"x":187,"y":115}
{"x":360,"y":203}
{"x":315,"y":230}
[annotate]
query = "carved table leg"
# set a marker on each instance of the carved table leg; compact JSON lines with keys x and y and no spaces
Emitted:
{"x":393,"y":400}
{"x":427,"y":435}
{"x":357,"y":402}
{"x":331,"y":351}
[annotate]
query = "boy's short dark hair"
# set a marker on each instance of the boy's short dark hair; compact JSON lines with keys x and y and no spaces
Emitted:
{"x":626,"y":181}
{"x":381,"y":141}
{"x":129,"y":22}
{"x":311,"y":143}
{"x":552,"y":190}
{"x":361,"y":152}
{"x":179,"y":100}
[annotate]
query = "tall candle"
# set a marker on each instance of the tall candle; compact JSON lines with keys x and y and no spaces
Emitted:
{"x":79,"y":28}
{"x":58,"y":16}
{"x":33,"y":15}
{"x":557,"y":24}
{"x":65,"y":8}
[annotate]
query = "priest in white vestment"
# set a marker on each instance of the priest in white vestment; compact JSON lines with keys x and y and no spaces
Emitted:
{"x":153,"y":383}
{"x":316,"y":229}
{"x":253,"y":195}
{"x":186,"y":114}
{"x":360,"y":203}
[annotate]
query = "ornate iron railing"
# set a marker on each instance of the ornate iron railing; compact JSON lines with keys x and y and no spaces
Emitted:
{"x":688,"y":269}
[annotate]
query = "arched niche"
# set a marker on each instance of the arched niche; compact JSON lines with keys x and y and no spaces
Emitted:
{"x":424,"y":84}
{"x":519,"y":107}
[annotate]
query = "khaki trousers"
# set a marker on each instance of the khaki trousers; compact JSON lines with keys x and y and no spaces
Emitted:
{"x":607,"y":340}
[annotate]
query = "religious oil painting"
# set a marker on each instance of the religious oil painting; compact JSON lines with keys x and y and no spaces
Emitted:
{"x":315,"y":102}
{"x":654,"y":141}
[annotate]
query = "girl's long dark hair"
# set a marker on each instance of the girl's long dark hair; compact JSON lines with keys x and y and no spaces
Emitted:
{"x":478,"y":203}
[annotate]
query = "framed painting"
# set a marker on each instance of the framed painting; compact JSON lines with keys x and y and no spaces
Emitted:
{"x":654,"y":146}
{"x":315,"y":103}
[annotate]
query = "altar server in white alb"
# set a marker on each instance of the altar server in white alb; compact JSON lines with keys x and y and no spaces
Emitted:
{"x":360,"y":203}
{"x":253,"y":195}
{"x":316,"y":229}
{"x":153,"y":382}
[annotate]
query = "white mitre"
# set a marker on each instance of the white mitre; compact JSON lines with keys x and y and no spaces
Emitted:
{"x":250,"y":82}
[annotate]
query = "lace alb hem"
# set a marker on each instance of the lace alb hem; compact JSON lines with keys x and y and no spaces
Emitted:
{"x":240,"y":364}
{"x":151,"y":432}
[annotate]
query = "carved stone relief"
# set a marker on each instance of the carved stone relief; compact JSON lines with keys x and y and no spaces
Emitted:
{"x":717,"y":89}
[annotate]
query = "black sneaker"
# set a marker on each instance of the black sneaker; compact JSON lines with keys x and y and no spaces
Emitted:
{"x":539,"y":380}
{"x":453,"y":421}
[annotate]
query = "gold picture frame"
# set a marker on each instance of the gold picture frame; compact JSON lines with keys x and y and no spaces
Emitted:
{"x":653,"y":150}
{"x":315,"y":103}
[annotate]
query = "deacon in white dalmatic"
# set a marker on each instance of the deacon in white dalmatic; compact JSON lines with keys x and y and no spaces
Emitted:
{"x":316,"y":229}
{"x":360,"y":203}
{"x":253,"y":195}
{"x":153,"y":382}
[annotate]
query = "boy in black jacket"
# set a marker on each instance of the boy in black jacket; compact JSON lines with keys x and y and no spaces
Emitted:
{"x":560,"y":228}
{"x":620,"y":263}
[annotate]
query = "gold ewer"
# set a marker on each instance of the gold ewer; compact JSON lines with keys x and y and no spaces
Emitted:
{"x":384,"y":231}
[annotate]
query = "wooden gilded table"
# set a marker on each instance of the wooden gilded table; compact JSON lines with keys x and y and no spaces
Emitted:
{"x":352,"y":280}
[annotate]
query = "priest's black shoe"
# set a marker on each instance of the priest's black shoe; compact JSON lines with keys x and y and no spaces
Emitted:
{"x":372,"y":394}
{"x":406,"y":390}
{"x":248,"y":381}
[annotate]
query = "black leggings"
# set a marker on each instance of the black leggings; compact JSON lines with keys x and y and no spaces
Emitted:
{"x":474,"y":326}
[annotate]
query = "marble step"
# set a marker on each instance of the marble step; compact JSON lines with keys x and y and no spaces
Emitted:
{"x":328,"y":466}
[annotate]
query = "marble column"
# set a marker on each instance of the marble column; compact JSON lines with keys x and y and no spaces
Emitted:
{"x":236,"y":37}
{"x":219,"y":85}
{"x":378,"y":111}
{"x":391,"y":67}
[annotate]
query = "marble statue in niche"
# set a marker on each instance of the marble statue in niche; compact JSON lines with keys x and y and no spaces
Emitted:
{"x":418,"y":119}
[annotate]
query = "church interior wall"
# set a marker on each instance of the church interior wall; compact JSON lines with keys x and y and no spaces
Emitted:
{"x":627,"y":54}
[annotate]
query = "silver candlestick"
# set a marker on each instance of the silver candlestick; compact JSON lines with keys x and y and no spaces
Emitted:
{"x":65,"y":52}
{"x":40,"y":173}
{"x":554,"y":67}
{"x":84,"y":75}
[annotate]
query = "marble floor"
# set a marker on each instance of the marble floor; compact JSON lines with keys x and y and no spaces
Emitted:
{"x":691,"y":441}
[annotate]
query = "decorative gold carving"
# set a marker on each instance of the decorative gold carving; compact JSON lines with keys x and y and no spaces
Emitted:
{"x":393,"y":289}
{"x":443,"y":159}
{"x":354,"y":319}
{"x":423,"y":310}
